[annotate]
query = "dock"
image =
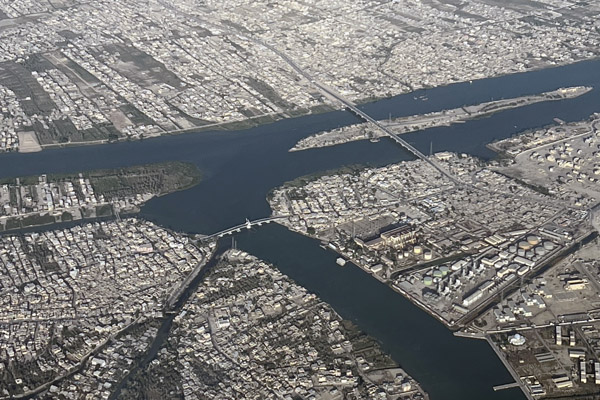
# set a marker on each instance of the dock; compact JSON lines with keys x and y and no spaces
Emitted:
{"x":510,"y":369}
{"x":506,"y":386}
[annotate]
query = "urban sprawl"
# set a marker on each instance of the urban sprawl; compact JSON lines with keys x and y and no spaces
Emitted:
{"x":505,"y":252}
{"x":107,"y":70}
{"x":103,"y":305}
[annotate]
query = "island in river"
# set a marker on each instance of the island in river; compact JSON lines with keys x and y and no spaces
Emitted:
{"x":495,"y":253}
{"x":364,"y":131}
{"x":241,"y":168}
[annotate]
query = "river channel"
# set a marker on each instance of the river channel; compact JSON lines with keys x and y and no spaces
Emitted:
{"x":240,"y":167}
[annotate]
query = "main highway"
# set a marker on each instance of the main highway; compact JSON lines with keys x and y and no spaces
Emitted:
{"x":328,"y":92}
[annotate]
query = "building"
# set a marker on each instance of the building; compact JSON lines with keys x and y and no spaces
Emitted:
{"x":400,"y":237}
{"x":575,"y":284}
{"x":472,"y":298}
{"x":582,"y":371}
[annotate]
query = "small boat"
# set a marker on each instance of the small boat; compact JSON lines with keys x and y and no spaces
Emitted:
{"x":340,"y":261}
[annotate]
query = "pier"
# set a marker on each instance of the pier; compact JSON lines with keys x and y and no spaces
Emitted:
{"x":506,"y":386}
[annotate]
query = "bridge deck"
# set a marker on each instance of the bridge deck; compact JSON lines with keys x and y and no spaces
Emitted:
{"x":506,"y":386}
{"x":240,"y":227}
{"x":398,"y":139}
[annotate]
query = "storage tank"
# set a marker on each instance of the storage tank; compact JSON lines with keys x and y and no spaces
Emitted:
{"x":524,"y":245}
{"x":428,"y":255}
{"x":533,"y":240}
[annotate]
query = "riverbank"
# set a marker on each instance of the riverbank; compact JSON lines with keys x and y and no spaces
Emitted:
{"x":414,"y":123}
{"x":423,"y":98}
{"x":63,"y":197}
{"x":239,"y":168}
{"x":423,"y":346}
{"x":172,"y":308}
{"x":32,"y":144}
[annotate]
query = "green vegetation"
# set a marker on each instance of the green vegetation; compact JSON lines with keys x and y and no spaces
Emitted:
{"x":262,"y":120}
{"x":114,"y":184}
{"x":353,"y":169}
{"x":295,"y":186}
{"x":160,"y":179}
{"x":37,"y":219}
{"x":536,"y":188}
{"x":160,"y":380}
{"x":12,"y":224}
{"x":366,"y":346}
{"x":104,"y":210}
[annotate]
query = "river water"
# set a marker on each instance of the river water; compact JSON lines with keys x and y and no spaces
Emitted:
{"x":241,"y":167}
{"x":448,"y":367}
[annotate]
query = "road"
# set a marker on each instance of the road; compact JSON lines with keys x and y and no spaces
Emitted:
{"x":326,"y":91}
{"x":75,"y":368}
{"x":509,"y":368}
{"x":238,"y":228}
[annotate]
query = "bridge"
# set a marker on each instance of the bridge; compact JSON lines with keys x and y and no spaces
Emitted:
{"x":238,"y":228}
{"x":323,"y":89}
{"x":401,"y":141}
{"x":359,"y":113}
{"x":367,"y":118}
{"x":173,"y":298}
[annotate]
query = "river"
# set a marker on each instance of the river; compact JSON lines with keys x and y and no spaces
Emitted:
{"x":241,"y":167}
{"x":448,"y":367}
